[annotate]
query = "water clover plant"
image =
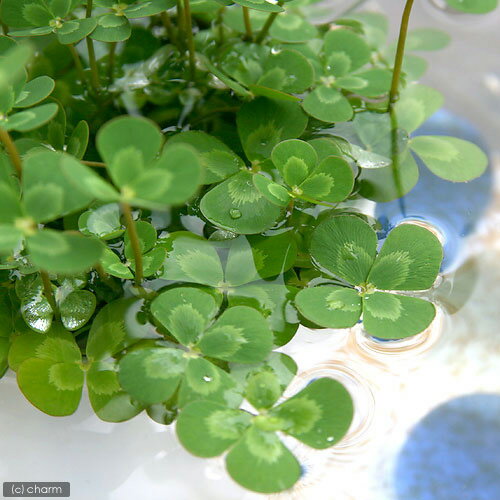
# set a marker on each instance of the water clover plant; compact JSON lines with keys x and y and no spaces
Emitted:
{"x":182,"y":187}
{"x":345,"y":247}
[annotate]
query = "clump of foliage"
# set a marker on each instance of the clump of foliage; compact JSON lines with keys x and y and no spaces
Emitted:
{"x":180,"y":187}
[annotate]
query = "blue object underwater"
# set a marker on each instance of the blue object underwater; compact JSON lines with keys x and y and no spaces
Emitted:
{"x":453,"y":453}
{"x":453,"y":208}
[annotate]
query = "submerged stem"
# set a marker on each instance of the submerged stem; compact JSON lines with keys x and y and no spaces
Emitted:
{"x":267,"y":25}
{"x":134,"y":242}
{"x":7,"y":141}
{"x":90,"y":48}
{"x":48,"y":292}
{"x":398,"y":62}
{"x":247,"y":22}
{"x":190,"y":38}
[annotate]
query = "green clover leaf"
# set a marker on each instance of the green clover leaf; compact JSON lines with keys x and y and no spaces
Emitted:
{"x":345,"y":247}
{"x":319,"y":416}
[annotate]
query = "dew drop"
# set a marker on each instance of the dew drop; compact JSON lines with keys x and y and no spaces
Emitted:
{"x":234,"y":213}
{"x":206,"y":378}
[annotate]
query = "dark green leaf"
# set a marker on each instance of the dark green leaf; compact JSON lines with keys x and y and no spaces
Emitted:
{"x":327,"y":104}
{"x":35,"y":91}
{"x":77,"y":308}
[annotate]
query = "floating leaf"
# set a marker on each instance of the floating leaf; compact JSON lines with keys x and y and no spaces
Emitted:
{"x":291,"y":28}
{"x":390,"y":316}
{"x":345,"y":246}
{"x":263,"y":123}
{"x":271,"y":190}
{"x":104,"y":222}
{"x":238,"y":206}
{"x":349,"y":44}
{"x":473,"y":6}
{"x":409,"y":260}
{"x":330,"y":306}
{"x":452,"y":159}
{"x":327,"y":104}
{"x":295,"y":160}
{"x":427,"y":39}
{"x":217,"y":159}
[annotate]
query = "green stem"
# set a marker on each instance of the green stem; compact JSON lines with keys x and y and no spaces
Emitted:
{"x":398,"y":63}
{"x":190,"y":39}
{"x":247,"y":22}
{"x":167,"y":22}
{"x":111,"y":61}
{"x":134,"y":242}
{"x":317,"y":202}
{"x":7,"y":141}
{"x":267,"y":25}
{"x":220,"y":24}
{"x":90,"y":48}
{"x":181,"y":22}
{"x":98,"y":164}
{"x":78,"y":62}
{"x":48,"y":292}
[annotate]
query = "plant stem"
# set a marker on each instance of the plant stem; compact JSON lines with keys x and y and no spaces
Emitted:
{"x":134,"y":242}
{"x":267,"y":25}
{"x":190,"y":39}
{"x":111,"y":61}
{"x":90,"y":48}
{"x":248,"y":24}
{"x":398,"y":62}
{"x":98,"y":164}
{"x":78,"y":62}
{"x":167,"y":22}
{"x":48,"y":292}
{"x":220,"y":23}
{"x":12,"y":150}
{"x":181,"y":28}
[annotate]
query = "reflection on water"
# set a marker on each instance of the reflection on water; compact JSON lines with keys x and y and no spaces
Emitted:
{"x":453,"y":452}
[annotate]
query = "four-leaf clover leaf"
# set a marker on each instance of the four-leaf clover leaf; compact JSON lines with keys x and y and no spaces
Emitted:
{"x":319,"y":416}
{"x":345,"y":247}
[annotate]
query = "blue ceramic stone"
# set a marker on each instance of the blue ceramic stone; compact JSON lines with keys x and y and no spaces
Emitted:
{"x":453,"y":208}
{"x":453,"y":453}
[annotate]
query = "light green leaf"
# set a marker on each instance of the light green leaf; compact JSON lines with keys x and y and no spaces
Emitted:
{"x":378,"y":82}
{"x":260,"y":462}
{"x":240,"y":335}
{"x":44,"y":202}
{"x":148,"y":8}
{"x":295,"y":72}
{"x":108,"y":400}
{"x":217,"y":159}
{"x":10,"y":239}
{"x":78,"y":140}
{"x":409,"y":260}
{"x":272,"y":191}
{"x":427,"y":39}
{"x":146,"y":234}
{"x":125,"y":131}
{"x":43,"y":30}
{"x":319,"y":415}
{"x":452,"y":159}
{"x":192,"y":259}
{"x":332,"y":180}
{"x":205,"y":381}
{"x":31,"y":119}
{"x":185,"y":312}
{"x":263,"y":123}
{"x":77,"y":308}
{"x":330,"y":306}
{"x":238,"y":206}
{"x":328,"y":104}
{"x":10,"y":206}
{"x":63,"y":253}
{"x":112,"y":264}
{"x":54,"y":388}
{"x":152,"y":375}
{"x":103,"y":221}
{"x":35,"y":91}
{"x":13,"y":13}
{"x":348,"y":43}
{"x":207,"y":429}
{"x":292,"y":28}
{"x":345,"y":246}
{"x":390,"y":316}
{"x":295,"y":160}
{"x":416,"y":105}
{"x":126,"y":166}
{"x":115,"y":328}
{"x":263,"y":389}
{"x":112,"y":28}
{"x":473,"y":6}
{"x":75,"y":30}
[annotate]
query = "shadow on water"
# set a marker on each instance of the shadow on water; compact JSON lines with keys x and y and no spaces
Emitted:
{"x":452,"y":454}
